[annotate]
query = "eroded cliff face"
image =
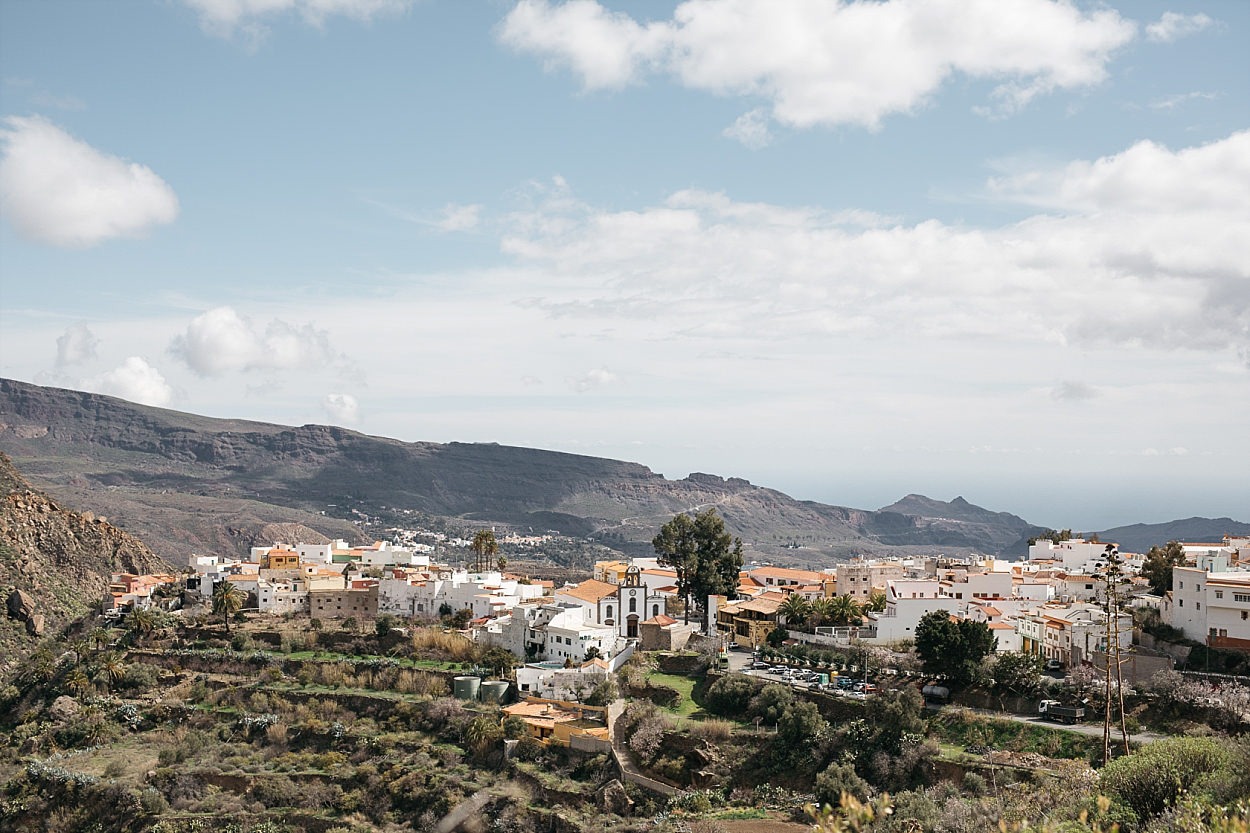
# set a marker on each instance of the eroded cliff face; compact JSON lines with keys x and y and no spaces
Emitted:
{"x":56,"y":561}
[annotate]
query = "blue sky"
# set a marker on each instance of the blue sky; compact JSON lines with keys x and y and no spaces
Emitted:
{"x":845,"y":250}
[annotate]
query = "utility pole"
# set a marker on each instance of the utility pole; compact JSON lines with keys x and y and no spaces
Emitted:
{"x":1112,"y":576}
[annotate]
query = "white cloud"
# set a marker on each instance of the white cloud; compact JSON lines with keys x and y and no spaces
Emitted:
{"x":59,"y":190}
{"x":226,"y":17}
{"x":459,"y":217}
{"x":751,"y":129}
{"x":77,"y":345}
{"x":1141,"y":248}
{"x":222,"y":341}
{"x":607,"y":49}
{"x":135,"y":380}
{"x":1172,"y":26}
{"x":1173,"y":101}
{"x":829,"y":63}
{"x":592,"y":379}
{"x":341,"y":408}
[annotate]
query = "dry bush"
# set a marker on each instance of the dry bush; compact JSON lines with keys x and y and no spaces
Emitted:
{"x":276,"y":735}
{"x":713,"y":730}
{"x":439,"y":644}
{"x":421,"y":682}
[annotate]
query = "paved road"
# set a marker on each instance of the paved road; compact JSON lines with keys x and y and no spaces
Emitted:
{"x":1093,"y":729}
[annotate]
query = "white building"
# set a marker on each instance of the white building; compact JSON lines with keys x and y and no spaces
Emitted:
{"x":621,"y":606}
{"x":1074,"y":555}
{"x":424,"y":594}
{"x":552,"y":631}
{"x":1210,"y":602}
{"x":907,"y":601}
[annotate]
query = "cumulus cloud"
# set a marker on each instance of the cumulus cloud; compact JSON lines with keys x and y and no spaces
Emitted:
{"x":1172,"y":26}
{"x":59,"y":190}
{"x":751,"y":129}
{"x":135,"y":380}
{"x":341,"y":408}
{"x":77,"y":345}
{"x":592,"y":379}
{"x":829,"y":63}
{"x":1141,"y":248}
{"x":226,"y":17}
{"x":223,"y":341}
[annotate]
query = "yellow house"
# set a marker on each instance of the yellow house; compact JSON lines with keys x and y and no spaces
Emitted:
{"x":560,"y":721}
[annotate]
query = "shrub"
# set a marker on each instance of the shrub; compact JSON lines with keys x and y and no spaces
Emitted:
{"x":838,"y":779}
{"x":716,"y":731}
{"x":1150,"y":779}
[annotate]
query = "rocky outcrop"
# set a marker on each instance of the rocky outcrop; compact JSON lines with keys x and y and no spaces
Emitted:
{"x":612,"y":798}
{"x":55,"y":563}
{"x":21,"y":606}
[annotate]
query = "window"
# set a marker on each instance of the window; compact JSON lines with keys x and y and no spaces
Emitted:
{"x":1198,"y":605}
{"x":1182,"y":585}
{"x":609,"y":611}
{"x":1241,"y":597}
{"x":1180,"y":602}
{"x":1245,"y":615}
{"x":633,"y":605}
{"x":1219,"y":594}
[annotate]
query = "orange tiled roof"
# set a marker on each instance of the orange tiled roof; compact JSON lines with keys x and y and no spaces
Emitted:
{"x":590,"y":590}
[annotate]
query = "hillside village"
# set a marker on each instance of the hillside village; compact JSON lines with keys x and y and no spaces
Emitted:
{"x":1051,"y":605}
{"x":265,"y":687}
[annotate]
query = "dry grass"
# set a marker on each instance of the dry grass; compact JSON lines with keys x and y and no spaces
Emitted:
{"x":444,"y":645}
{"x":713,"y":730}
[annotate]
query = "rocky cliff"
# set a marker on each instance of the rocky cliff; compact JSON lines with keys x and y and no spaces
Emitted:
{"x":54,"y":563}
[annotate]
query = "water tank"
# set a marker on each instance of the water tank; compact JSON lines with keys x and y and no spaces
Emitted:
{"x":494,"y":691}
{"x":465,"y":688}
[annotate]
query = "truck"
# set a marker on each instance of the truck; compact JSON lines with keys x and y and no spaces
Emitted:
{"x":1054,"y":710}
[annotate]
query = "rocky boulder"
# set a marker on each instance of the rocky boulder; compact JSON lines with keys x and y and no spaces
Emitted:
{"x":21,"y":606}
{"x":612,"y":798}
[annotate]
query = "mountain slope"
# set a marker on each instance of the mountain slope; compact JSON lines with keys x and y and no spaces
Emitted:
{"x":173,"y":476}
{"x":1141,"y":537}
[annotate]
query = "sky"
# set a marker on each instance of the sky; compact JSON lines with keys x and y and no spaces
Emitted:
{"x":847,"y":250}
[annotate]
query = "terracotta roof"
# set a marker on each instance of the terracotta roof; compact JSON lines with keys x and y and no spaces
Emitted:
{"x":662,"y":620}
{"x":590,"y":590}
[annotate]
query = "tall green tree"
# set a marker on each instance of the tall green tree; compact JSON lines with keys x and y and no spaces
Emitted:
{"x":953,"y":647}
{"x":1158,"y":564}
{"x":677,"y":548}
{"x":227,"y":601}
{"x":706,"y":558}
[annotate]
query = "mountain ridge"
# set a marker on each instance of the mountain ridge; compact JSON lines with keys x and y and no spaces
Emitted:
{"x":185,"y":482}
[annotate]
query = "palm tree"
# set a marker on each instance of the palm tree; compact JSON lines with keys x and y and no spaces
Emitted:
{"x":844,"y":610}
{"x":794,"y":609}
{"x":876,"y":602}
{"x":79,"y":647}
{"x":99,"y":636}
{"x":822,"y":612}
{"x":112,"y":668}
{"x":227,"y":599}
{"x":76,"y":681}
{"x":485,"y":547}
{"x":142,"y":622}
